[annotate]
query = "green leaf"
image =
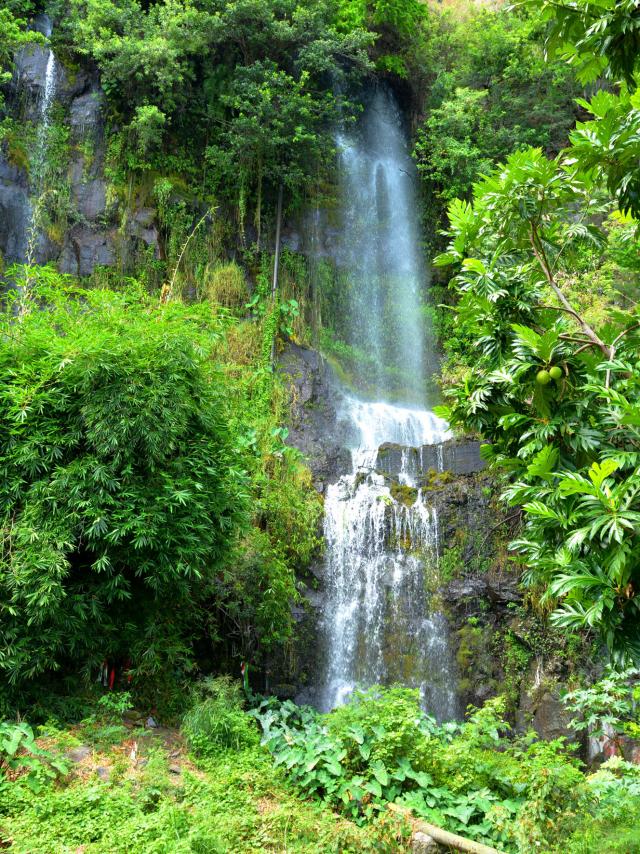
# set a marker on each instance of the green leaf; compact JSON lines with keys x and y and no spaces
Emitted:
{"x":380,"y":772}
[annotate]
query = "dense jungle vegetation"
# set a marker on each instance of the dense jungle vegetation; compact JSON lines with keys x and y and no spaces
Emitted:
{"x":152,"y":511}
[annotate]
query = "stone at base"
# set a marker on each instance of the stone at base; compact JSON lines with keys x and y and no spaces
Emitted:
{"x":422,"y":843}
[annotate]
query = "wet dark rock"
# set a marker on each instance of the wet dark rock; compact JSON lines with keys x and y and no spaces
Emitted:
{"x":85,"y":114}
{"x":313,"y":597}
{"x":89,"y":194}
{"x":15,"y":211}
{"x":314,"y":427}
{"x":142,"y":225}
{"x":85,"y":249}
{"x":284,"y":691}
{"x":458,"y":456}
{"x":30,"y":70}
{"x":42,"y":23}
{"x":94,"y":237}
{"x":541,"y":708}
{"x":500,"y":591}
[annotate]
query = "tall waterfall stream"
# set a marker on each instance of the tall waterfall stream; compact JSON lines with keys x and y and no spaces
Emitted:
{"x":378,"y":626}
{"x":40,"y":150}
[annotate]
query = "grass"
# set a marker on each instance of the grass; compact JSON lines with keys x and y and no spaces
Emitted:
{"x":158,"y":799}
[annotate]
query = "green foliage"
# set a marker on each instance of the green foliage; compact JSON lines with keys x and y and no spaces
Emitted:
{"x":234,"y":801}
{"x":493,"y":93}
{"x":147,"y":127}
{"x":114,"y":705}
{"x":21,"y":755}
{"x":449,"y":148}
{"x":596,"y":36}
{"x":242,"y":90}
{"x":13,"y":36}
{"x":120,"y":496}
{"x":602,"y":37}
{"x":609,"y":145}
{"x":567,"y":445}
{"x":607,"y":708}
{"x":225,"y":286}
{"x":613,"y":824}
{"x":217,"y":721}
{"x":520,"y":795}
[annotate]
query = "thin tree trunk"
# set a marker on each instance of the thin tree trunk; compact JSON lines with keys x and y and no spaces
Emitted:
{"x":258,"y":219}
{"x":538,"y":251}
{"x":276,"y":266}
{"x":276,"y":262}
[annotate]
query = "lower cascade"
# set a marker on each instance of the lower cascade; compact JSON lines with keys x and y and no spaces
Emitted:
{"x":378,"y":625}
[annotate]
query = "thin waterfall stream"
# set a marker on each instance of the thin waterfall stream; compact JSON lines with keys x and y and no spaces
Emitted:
{"x":40,"y":151}
{"x":378,"y":626}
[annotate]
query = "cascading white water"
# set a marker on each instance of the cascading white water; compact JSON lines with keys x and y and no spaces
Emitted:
{"x":380,"y":249}
{"x":39,"y":157}
{"x":377,"y":625}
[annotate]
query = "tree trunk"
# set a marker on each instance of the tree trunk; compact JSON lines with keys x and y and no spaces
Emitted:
{"x":443,"y":837}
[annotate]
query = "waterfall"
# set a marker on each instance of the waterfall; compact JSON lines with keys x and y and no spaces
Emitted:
{"x":39,"y":158}
{"x":378,"y":626}
{"x":381,"y":253}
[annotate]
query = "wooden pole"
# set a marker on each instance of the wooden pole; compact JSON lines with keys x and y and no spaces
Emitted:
{"x":276,"y":265}
{"x":276,"y":262}
{"x":443,"y":837}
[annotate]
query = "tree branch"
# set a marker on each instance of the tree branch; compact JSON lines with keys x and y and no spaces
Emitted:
{"x":538,"y":251}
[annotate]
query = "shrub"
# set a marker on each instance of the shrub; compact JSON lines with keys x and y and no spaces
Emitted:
{"x":21,"y":756}
{"x":390,"y":719}
{"x":119,"y":486}
{"x":217,"y":721}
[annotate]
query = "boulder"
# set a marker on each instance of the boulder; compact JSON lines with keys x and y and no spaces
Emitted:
{"x":314,"y":427}
{"x":141,"y":225}
{"x":422,"y":843}
{"x":541,"y":708}
{"x":89,"y":194}
{"x":458,"y":456}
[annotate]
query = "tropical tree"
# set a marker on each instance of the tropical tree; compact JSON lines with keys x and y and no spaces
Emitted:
{"x":556,"y":398}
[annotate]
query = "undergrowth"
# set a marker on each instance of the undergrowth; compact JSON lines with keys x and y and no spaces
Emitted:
{"x":317,"y":783}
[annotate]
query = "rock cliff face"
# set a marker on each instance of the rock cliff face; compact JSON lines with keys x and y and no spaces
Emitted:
{"x":99,"y":231}
{"x":475,"y":588}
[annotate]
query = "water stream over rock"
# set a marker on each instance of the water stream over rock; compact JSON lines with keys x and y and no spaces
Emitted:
{"x":39,"y":157}
{"x":378,"y":626}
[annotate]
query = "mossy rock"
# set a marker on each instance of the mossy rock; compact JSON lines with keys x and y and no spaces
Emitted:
{"x":404,"y":494}
{"x":436,"y":479}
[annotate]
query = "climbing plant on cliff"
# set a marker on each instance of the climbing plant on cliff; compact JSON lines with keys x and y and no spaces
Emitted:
{"x":13,"y":35}
{"x":239,"y":95}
